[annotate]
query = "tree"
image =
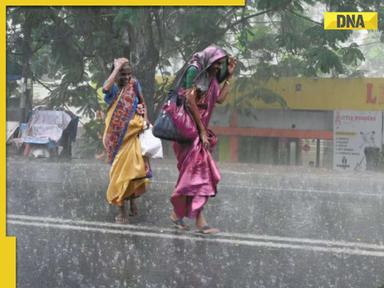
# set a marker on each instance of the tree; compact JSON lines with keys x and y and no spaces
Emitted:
{"x":271,"y":38}
{"x":75,"y":46}
{"x":22,"y":46}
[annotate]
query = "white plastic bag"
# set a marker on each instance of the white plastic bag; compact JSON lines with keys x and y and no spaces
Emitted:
{"x":150,"y":145}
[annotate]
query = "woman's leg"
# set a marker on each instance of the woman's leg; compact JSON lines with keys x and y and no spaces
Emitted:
{"x":174,"y":216}
{"x":179,"y":203}
{"x":121,"y":217}
{"x":133,"y":207}
{"x":179,"y":210}
{"x":200,"y":220}
{"x":202,"y":225}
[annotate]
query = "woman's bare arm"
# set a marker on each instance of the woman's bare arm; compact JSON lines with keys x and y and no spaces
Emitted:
{"x":192,"y":106}
{"x":142,"y":100}
{"x":225,"y":88}
{"x":224,"y":91}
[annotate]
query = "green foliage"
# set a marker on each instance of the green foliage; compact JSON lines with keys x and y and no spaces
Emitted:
{"x":351,"y":55}
{"x":324,"y":60}
{"x":75,"y":45}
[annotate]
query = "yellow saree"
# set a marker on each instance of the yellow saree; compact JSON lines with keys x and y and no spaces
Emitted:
{"x":127,"y":174}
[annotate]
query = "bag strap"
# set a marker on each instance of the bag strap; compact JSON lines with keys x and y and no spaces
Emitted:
{"x":179,"y":77}
{"x":136,"y":88}
{"x":181,"y":73}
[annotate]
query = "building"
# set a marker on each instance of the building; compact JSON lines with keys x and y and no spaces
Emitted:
{"x":300,"y":132}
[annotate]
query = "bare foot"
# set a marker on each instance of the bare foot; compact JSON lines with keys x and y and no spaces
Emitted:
{"x":121,"y":218}
{"x":133,"y":208}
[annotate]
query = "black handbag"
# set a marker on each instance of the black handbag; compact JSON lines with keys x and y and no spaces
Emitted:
{"x":164,"y":128}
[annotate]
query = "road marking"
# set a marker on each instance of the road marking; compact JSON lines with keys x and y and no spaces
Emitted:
{"x":224,"y":234}
{"x":236,"y":239}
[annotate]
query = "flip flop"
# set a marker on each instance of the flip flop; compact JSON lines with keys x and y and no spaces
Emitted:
{"x":179,"y":224}
{"x":208,"y":230}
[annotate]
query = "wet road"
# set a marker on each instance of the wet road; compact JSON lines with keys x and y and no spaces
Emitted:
{"x":281,"y":227}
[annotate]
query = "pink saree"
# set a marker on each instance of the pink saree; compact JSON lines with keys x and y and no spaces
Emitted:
{"x":198,"y":172}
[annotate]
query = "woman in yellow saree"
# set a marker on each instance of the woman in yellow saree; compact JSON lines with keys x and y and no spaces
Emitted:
{"x":125,"y":120}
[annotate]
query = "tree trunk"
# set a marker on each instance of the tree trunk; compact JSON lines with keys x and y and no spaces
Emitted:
{"x":144,"y":56}
{"x":26,"y":97}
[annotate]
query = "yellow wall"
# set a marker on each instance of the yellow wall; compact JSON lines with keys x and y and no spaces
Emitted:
{"x":326,"y":94}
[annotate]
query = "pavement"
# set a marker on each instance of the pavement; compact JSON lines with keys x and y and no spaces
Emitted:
{"x":280,"y":226}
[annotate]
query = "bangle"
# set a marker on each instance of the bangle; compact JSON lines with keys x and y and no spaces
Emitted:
{"x":227,"y":82}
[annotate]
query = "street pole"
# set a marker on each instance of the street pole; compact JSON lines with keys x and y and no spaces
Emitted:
{"x":317,"y":153}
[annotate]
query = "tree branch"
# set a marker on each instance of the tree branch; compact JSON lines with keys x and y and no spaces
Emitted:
{"x":304,"y":17}
{"x":159,"y":28}
{"x":242,"y":20}
{"x":225,"y":16}
{"x":39,"y":47}
{"x":42,"y":83}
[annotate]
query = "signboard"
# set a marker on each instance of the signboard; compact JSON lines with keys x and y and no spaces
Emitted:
{"x":355,"y":134}
{"x":351,"y":21}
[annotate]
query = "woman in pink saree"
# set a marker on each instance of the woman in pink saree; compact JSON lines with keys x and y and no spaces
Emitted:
{"x":198,"y":172}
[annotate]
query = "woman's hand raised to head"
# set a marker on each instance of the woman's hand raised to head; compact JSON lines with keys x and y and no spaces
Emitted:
{"x":119,"y":62}
{"x":232,"y":62}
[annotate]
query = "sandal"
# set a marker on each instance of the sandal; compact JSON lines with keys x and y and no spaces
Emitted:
{"x":208,"y":230}
{"x":179,"y":224}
